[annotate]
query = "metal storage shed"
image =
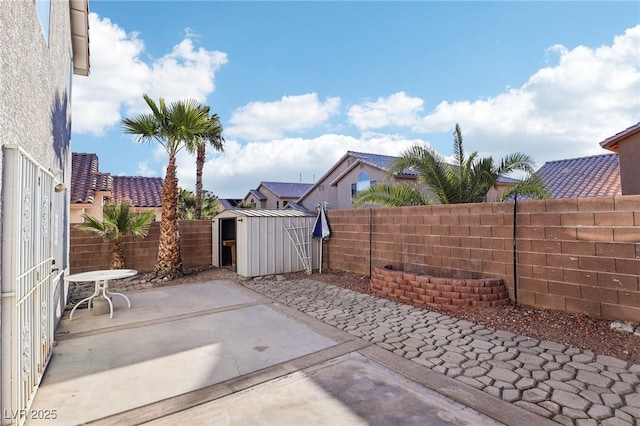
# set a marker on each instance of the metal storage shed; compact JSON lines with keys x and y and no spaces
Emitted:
{"x":261,"y":242}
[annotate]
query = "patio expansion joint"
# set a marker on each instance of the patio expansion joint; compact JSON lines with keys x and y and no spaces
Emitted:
{"x":198,"y":397}
{"x":113,"y":329}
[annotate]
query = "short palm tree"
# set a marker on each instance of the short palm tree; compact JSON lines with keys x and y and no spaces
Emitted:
{"x":213,"y":138}
{"x":467,"y":180}
{"x":174,"y":127}
{"x":118,"y":221}
{"x":186,"y":204}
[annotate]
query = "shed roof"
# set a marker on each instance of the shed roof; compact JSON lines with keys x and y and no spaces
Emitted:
{"x":262,"y":213}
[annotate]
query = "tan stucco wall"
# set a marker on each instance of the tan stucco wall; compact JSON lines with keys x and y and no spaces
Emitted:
{"x":629,"y":156}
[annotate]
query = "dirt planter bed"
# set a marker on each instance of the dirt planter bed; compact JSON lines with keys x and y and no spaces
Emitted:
{"x":438,"y":292}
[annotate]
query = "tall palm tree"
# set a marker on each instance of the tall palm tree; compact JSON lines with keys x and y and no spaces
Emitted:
{"x":467,"y":180}
{"x":174,"y":127}
{"x":199,"y":145}
{"x":118,"y":221}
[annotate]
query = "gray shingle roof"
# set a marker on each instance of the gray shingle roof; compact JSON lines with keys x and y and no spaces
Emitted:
{"x":595,"y":176}
{"x":287,"y":189}
{"x":378,"y":160}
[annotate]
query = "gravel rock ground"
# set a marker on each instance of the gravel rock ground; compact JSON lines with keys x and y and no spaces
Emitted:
{"x":574,"y":330}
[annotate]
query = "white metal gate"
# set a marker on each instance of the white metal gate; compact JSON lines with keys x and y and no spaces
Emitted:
{"x":27,"y":280}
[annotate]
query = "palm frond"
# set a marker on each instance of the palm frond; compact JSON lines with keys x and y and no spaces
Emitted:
{"x":391,"y":195}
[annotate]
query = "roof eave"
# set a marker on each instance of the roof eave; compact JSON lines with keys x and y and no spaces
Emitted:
{"x":79,"y":10}
{"x":611,"y":143}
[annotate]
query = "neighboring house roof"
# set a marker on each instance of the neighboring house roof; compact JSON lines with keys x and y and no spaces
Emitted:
{"x":228,"y":203}
{"x":611,"y":143}
{"x":286,"y":189}
{"x":594,"y":176}
{"x":141,"y":191}
{"x":86,"y":180}
{"x":296,"y":206}
{"x":507,"y":180}
{"x":379,"y":161}
{"x":257,"y":194}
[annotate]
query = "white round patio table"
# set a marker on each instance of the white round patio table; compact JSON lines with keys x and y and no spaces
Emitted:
{"x":101,"y":279}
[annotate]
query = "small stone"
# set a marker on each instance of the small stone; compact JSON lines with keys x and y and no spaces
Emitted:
{"x":622,"y":327}
{"x":503,"y":374}
{"x":622,"y":388}
{"x":574,"y":414}
{"x":600,"y":412}
{"x":611,"y":400}
{"x":511,"y":395}
{"x":610,"y":361}
{"x":593,"y":378}
{"x":561,"y":375}
{"x":534,"y":395}
{"x":563,"y":420}
{"x":569,"y":399}
{"x":525,"y":383}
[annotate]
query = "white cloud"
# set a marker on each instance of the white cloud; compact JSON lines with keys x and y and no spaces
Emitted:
{"x":562,"y":111}
{"x":145,"y":170}
{"x":119,"y":76}
{"x":270,"y":120}
{"x":242,"y":167}
{"x":395,"y":110}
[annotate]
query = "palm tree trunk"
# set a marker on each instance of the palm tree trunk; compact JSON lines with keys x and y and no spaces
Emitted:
{"x":199,"y":166}
{"x":169,"y":260}
{"x":117,"y":256}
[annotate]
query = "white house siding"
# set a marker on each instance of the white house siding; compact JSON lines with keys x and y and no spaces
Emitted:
{"x":35,"y":77}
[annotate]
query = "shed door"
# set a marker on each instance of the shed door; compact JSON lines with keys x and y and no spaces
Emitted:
{"x":27,"y":280}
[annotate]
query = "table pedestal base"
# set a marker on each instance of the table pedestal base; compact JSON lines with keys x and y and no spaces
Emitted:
{"x":101,"y":286}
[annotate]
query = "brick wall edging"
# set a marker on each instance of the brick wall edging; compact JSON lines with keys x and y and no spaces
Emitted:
{"x":437,"y":292}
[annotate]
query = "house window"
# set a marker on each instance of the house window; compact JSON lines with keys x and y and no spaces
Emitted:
{"x":361,"y":184}
{"x":277,"y":204}
{"x":284,"y":204}
{"x":43,"y":8}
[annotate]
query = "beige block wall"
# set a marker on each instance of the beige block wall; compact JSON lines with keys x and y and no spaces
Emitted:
{"x":575,"y":255}
{"x":88,"y":253}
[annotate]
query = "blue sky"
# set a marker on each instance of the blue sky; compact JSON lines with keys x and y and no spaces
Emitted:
{"x":297,"y":84}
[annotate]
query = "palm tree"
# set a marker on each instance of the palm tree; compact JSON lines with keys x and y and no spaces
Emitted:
{"x":389,"y":195}
{"x":174,"y":127}
{"x":199,"y":145}
{"x":467,"y":180}
{"x":118,"y":221}
{"x":245,"y":205}
{"x":186,"y":204}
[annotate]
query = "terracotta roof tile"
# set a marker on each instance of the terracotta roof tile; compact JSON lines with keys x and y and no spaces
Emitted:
{"x":595,"y":176}
{"x":86,"y":180}
{"x":141,"y":191}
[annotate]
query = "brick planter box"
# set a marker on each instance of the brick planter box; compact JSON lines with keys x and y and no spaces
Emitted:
{"x":437,"y":292}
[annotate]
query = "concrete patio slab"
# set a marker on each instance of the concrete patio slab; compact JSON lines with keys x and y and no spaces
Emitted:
{"x":159,"y":303}
{"x":219,"y":353}
{"x":348,"y":390}
{"x":99,"y":375}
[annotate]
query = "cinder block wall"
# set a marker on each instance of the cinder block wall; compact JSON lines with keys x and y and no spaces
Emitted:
{"x":88,"y":253}
{"x":575,"y":255}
